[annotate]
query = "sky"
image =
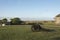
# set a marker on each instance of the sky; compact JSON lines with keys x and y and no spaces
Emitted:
{"x":40,"y":9}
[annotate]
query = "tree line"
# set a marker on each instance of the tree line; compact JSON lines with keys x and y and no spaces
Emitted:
{"x":18,"y":21}
{"x":13,"y":21}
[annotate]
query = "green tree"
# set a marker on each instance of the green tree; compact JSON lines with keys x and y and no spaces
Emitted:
{"x":15,"y":21}
{"x":0,"y":21}
{"x":4,"y":20}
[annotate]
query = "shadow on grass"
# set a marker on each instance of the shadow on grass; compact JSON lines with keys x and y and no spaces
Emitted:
{"x":47,"y":30}
{"x":55,"y":38}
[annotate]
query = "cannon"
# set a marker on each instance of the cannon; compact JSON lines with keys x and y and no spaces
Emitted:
{"x":36,"y":27}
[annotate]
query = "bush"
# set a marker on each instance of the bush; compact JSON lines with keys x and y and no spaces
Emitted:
{"x":31,"y":23}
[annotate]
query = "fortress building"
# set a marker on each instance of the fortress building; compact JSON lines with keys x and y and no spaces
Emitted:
{"x":57,"y":19}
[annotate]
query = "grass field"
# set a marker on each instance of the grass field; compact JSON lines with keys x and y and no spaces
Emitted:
{"x":23,"y":32}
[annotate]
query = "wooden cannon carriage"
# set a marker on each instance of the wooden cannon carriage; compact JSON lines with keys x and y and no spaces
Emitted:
{"x":36,"y":27}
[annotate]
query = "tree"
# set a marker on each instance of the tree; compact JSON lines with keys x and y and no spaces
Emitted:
{"x":16,"y":21}
{"x":4,"y":20}
{"x":0,"y":21}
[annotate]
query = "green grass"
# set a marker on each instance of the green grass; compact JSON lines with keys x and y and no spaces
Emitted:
{"x":23,"y":32}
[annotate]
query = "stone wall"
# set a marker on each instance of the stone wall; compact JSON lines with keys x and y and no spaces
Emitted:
{"x":57,"y":20}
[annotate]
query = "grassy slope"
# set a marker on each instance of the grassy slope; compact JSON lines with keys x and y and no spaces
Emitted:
{"x":23,"y":32}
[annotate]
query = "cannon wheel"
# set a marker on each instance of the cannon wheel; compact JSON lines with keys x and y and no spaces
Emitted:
{"x":36,"y":28}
